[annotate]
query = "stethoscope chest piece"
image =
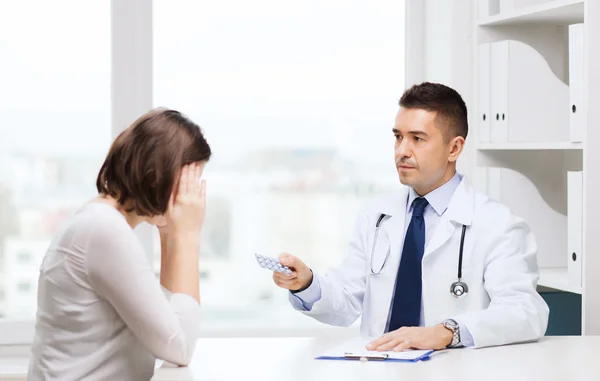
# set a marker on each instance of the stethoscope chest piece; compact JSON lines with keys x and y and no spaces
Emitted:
{"x":459,"y":289}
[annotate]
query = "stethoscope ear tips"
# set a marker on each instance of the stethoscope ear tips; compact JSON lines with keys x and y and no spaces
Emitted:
{"x":459,"y":289}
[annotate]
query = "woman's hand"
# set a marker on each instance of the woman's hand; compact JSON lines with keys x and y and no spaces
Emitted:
{"x":180,"y":248}
{"x":163,"y":228}
{"x":187,"y":205}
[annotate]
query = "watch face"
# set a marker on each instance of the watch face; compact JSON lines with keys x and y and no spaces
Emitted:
{"x":451,"y":323}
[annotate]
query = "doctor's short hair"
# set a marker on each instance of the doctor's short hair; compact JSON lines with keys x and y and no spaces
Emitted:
{"x":143,"y":164}
{"x":450,"y":109}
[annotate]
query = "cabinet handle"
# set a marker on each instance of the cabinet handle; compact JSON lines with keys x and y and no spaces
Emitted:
{"x":574,"y":256}
{"x":574,"y":108}
{"x":497,"y":116}
{"x":484,"y":117}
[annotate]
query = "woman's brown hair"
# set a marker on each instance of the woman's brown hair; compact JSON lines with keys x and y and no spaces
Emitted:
{"x":143,"y":163}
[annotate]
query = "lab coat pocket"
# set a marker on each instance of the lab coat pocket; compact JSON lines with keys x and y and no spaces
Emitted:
{"x":380,"y":252}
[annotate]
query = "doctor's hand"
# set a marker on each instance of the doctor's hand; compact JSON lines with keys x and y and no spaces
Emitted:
{"x":436,"y":337}
{"x":300,"y":278}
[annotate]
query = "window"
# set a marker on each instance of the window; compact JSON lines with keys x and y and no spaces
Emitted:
{"x":24,"y":287}
{"x":23,"y":257}
{"x":1,"y":303}
{"x":54,"y":130}
{"x":297,"y":100}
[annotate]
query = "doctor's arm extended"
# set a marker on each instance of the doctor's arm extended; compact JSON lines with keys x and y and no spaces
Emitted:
{"x":336,"y":297}
{"x":517,"y":313}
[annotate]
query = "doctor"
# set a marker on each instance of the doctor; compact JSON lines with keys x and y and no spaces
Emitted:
{"x":435,"y":264}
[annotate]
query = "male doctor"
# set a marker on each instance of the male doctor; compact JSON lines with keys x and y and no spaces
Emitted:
{"x":403,"y":259}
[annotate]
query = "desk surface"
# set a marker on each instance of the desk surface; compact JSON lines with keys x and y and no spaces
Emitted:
{"x":276,"y":359}
{"x":552,"y":358}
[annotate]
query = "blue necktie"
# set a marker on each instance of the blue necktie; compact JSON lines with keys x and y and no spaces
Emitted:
{"x":406,"y":306}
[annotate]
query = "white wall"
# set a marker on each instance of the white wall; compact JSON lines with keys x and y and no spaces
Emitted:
{"x":438,"y":41}
{"x":440,"y":49}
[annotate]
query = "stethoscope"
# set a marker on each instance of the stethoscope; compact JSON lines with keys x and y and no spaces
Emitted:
{"x":457,"y":289}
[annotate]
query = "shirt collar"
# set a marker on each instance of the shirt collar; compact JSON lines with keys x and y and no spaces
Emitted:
{"x":439,"y":198}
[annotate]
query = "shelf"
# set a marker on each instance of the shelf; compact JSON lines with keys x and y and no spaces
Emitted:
{"x":536,"y":146}
{"x":558,"y":12}
{"x":557,"y":279}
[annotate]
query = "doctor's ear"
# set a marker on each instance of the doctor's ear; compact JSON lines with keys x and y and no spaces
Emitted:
{"x":456,"y":147}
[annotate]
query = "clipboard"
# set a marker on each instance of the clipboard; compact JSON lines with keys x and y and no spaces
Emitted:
{"x":355,"y":350}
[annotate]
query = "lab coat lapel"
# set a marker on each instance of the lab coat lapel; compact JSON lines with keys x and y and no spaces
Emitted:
{"x":441,"y":235}
{"x":383,"y":285}
{"x":394,"y":227}
{"x":459,"y":210}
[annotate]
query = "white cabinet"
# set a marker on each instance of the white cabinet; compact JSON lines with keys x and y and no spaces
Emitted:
{"x":532,"y":80}
{"x":537,"y":62}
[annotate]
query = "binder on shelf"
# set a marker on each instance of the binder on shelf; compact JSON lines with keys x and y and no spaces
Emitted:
{"x":499,"y":91}
{"x":576,"y":83}
{"x":486,"y":8}
{"x":526,"y":94}
{"x":574,"y":226}
{"x":484,"y":93}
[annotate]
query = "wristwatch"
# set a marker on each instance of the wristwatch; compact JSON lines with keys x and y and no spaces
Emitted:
{"x":453,"y":326}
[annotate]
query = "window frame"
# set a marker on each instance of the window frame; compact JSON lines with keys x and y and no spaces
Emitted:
{"x":132,"y":95}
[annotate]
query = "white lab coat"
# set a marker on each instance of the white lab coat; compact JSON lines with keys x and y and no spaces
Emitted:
{"x":499,"y":266}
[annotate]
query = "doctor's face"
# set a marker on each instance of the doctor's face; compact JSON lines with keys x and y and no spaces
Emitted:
{"x":425,"y":157}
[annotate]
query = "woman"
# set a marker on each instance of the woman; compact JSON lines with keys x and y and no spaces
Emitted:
{"x":102,"y":314}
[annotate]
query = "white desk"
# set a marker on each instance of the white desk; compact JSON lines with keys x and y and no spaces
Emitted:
{"x":277,"y":359}
{"x":291,"y":359}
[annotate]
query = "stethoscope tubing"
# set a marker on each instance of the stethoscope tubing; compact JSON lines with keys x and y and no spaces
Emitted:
{"x":460,"y":254}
